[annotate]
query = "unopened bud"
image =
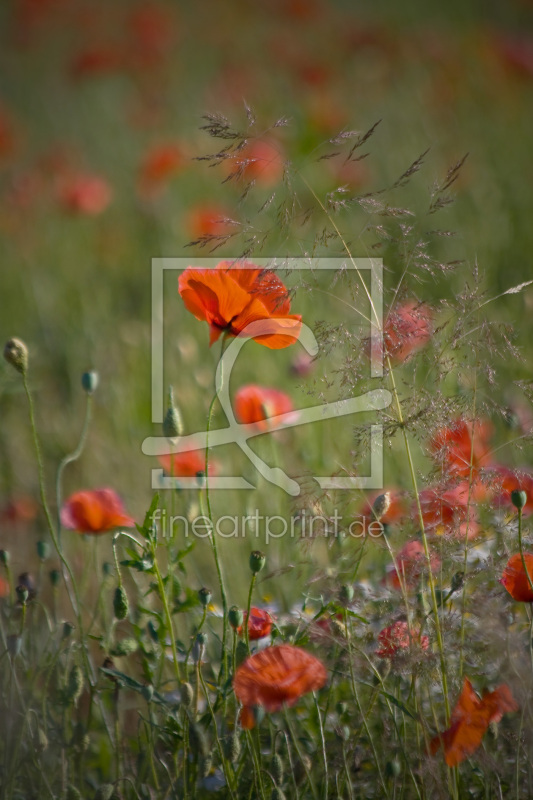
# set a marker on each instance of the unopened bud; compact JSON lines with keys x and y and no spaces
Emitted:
{"x":233,"y":749}
{"x":43,"y":550}
{"x":16,"y":354}
{"x":346,"y":594}
{"x":235,"y":617}
{"x":72,"y":793}
{"x":341,"y":708}
{"x":186,"y":694}
{"x":74,"y":684}
{"x":518,"y":498}
{"x":4,"y":557}
{"x":22,"y":593}
{"x":55,"y":577}
{"x":277,"y":768}
{"x":14,"y":644}
{"x":277,"y":794}
{"x":41,"y":740}
{"x":104,"y":792}
{"x":89,"y":381}
{"x":147,"y":692}
{"x":381,"y":505}
{"x":457,"y":581}
{"x":393,"y":768}
{"x":68,"y":628}
{"x":257,"y":561}
{"x":204,"y":595}
{"x":172,"y":424}
{"x":120,"y":603}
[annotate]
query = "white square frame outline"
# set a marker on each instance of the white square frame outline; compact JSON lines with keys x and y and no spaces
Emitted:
{"x":293,"y":264}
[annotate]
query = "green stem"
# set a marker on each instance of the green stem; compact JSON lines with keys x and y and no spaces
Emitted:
{"x":68,"y":459}
{"x":247,"y":620}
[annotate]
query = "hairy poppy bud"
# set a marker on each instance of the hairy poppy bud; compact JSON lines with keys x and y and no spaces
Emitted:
{"x":4,"y":557}
{"x":457,"y":581}
{"x":186,"y":694}
{"x":393,"y":768}
{"x":22,"y":593}
{"x":277,"y":768}
{"x":16,"y":354}
{"x":381,"y":505}
{"x":72,"y":793}
{"x":346,"y":594}
{"x":125,"y":647}
{"x":105,"y":792}
{"x":233,"y":749}
{"x":120,"y":603}
{"x":41,"y":740}
{"x":68,"y":627}
{"x":55,"y":577}
{"x":235,"y":617}
{"x":204,"y":595}
{"x":206,"y":766}
{"x":147,"y":692}
{"x":74,"y":684}
{"x":341,"y":708}
{"x":89,"y":381}
{"x":518,"y":498}
{"x":257,"y":561}
{"x":43,"y":550}
{"x":172,"y":424}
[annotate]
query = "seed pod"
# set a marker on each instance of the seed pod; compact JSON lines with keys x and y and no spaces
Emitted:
{"x":16,"y":354}
{"x":120,"y":603}
{"x":89,"y":381}
{"x":257,"y":561}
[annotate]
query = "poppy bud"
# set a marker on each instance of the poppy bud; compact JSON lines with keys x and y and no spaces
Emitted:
{"x":72,"y":793}
{"x":4,"y":557}
{"x":43,"y":550}
{"x":233,"y":749}
{"x":381,"y":505}
{"x":346,"y":594}
{"x":41,"y":740}
{"x":68,"y":627}
{"x":108,"y":569}
{"x":89,"y":381}
{"x":14,"y":644}
{"x":277,"y":794}
{"x":257,"y":561}
{"x":201,"y":639}
{"x":172,"y":424}
{"x":235,"y":617}
{"x":343,"y":732}
{"x":120,"y":603}
{"x":301,"y":768}
{"x":341,"y":708}
{"x":22,"y":593}
{"x":186,"y":694}
{"x":80,"y":738}
{"x":206,"y":766}
{"x":518,"y":498}
{"x":147,"y":692}
{"x":74,"y":684}
{"x":16,"y":354}
{"x":204,"y":595}
{"x":277,"y":768}
{"x":55,"y":577}
{"x":125,"y":647}
{"x":393,"y":768}
{"x":105,"y":792}
{"x":457,"y":581}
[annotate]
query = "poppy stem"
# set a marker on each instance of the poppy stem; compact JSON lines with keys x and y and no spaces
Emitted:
{"x":248,"y":607}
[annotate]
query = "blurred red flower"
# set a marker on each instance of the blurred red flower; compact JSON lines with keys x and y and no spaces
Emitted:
{"x":85,"y":194}
{"x":4,"y":588}
{"x":20,"y":509}
{"x":189,"y":464}
{"x":395,"y":512}
{"x":259,"y":625}
{"x":230,"y":298}
{"x":397,"y":638}
{"x":407,"y":329}
{"x":257,"y":404}
{"x":411,"y":563}
{"x":462,"y":446}
{"x":505,"y":480}
{"x":159,"y":165}
{"x":258,"y":161}
{"x":515,"y":579}
{"x":447,"y":511}
{"x":95,"y":511}
{"x":205,"y":221}
{"x":470,"y":720}
{"x":97,"y":60}
{"x":276,"y":676}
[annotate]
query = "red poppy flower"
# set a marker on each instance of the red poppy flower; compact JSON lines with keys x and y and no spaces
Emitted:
{"x":515,"y":580}
{"x":186,"y":465}
{"x":397,"y":638}
{"x":258,"y":161}
{"x":259,"y":625}
{"x":447,"y":511}
{"x":159,"y":165}
{"x":230,"y":298}
{"x":406,"y":329}
{"x":454,"y":448}
{"x":276,"y":676}
{"x":469,"y":721}
{"x":95,"y":511}
{"x":411,"y":563}
{"x":4,"y":588}
{"x":257,"y":404}
{"x":85,"y":194}
{"x":504,"y":481}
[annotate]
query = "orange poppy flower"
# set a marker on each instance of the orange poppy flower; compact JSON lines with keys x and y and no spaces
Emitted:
{"x":96,"y":511}
{"x":469,"y":721}
{"x":230,"y":298}
{"x":397,"y":638}
{"x":460,"y":455}
{"x":257,"y":404}
{"x":188,"y":464}
{"x":276,"y":676}
{"x":259,"y":625}
{"x":85,"y":194}
{"x":515,"y":580}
